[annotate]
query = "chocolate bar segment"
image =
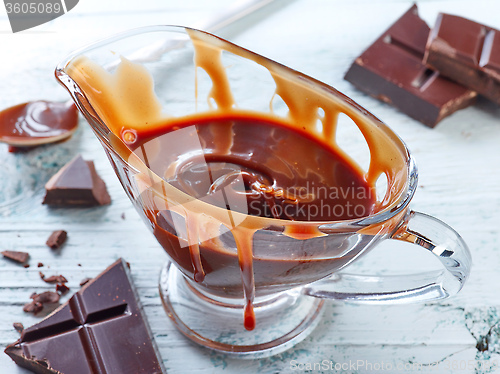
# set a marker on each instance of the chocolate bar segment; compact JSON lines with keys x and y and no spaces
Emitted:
{"x":101,"y":329}
{"x":392,"y":70}
{"x":467,"y":52}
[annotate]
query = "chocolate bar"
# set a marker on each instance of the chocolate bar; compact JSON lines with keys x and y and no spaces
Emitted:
{"x":467,"y":52}
{"x":76,"y":184}
{"x":101,"y":329}
{"x":392,"y":70}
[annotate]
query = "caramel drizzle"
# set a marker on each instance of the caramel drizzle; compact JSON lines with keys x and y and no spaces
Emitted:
{"x":125,"y":101}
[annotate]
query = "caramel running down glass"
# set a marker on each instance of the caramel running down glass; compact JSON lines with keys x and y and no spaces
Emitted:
{"x":202,"y":133}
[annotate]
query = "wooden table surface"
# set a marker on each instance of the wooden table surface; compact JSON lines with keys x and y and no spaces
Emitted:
{"x":459,"y":164}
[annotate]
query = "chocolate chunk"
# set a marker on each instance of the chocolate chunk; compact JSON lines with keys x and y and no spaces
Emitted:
{"x":76,"y":184}
{"x":47,"y":297}
{"x":467,"y":52}
{"x":57,"y":239}
{"x":101,"y":329}
{"x":85,"y":281}
{"x":392,"y":70}
{"x":17,"y":256}
{"x":18,"y":326}
{"x":62,"y":289}
{"x":53,"y":278}
{"x":33,"y":307}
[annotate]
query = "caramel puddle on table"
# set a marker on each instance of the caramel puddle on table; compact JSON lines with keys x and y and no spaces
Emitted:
{"x":37,"y":122}
{"x":126,"y":102}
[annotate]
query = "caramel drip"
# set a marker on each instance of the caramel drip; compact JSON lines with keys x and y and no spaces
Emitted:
{"x":192,"y":222}
{"x":124,"y":99}
{"x":244,"y":237}
{"x":303,"y":231}
{"x":208,"y":58}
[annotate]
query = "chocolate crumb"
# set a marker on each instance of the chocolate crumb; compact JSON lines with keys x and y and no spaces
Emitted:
{"x":57,"y":239}
{"x":49,"y":297}
{"x":17,"y":256}
{"x":62,"y":289}
{"x":40,"y":264}
{"x":123,"y":216}
{"x":85,"y":281}
{"x":33,"y":307}
{"x":54,"y":279}
{"x":26,"y":266}
{"x":18,"y":326}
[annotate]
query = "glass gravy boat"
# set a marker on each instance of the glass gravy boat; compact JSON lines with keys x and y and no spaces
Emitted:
{"x":171,"y":105}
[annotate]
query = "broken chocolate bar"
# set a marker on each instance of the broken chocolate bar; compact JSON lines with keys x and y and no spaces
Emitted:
{"x":16,"y":256}
{"x":392,"y":70}
{"x":57,"y":239}
{"x":76,"y":184}
{"x":467,"y":52}
{"x":101,"y":329}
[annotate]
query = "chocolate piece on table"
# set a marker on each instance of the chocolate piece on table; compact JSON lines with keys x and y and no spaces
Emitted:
{"x":53,"y":278}
{"x":33,"y":307}
{"x":57,"y":239}
{"x":17,"y":256}
{"x":391,"y":70}
{"x":467,"y":52}
{"x":47,"y":297}
{"x":18,"y":326}
{"x":101,"y":329}
{"x":76,"y":184}
{"x":85,"y":281}
{"x":62,"y":289}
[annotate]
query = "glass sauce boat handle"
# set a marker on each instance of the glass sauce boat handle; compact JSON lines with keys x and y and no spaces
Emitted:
{"x":426,"y":232}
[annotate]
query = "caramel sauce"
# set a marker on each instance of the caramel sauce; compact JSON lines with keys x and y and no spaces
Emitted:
{"x":205,"y":179}
{"x":37,"y":122}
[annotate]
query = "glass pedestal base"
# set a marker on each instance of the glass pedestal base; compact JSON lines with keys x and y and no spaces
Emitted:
{"x":282,"y":320}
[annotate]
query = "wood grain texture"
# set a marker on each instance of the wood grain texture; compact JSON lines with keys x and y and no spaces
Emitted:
{"x":459,"y":164}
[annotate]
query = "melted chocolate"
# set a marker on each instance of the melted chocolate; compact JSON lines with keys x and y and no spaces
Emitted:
{"x":37,"y":122}
{"x":256,"y":175}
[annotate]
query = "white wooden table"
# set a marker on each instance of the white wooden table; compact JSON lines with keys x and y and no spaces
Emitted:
{"x":459,"y":163}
